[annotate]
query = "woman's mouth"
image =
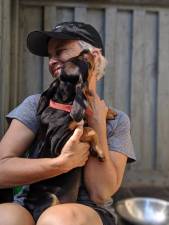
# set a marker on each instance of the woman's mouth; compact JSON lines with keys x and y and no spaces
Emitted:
{"x":56,"y":71}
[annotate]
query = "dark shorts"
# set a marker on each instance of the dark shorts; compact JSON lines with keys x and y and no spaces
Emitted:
{"x":106,"y":217}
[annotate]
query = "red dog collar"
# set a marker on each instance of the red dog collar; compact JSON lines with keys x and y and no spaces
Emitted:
{"x":67,"y":108}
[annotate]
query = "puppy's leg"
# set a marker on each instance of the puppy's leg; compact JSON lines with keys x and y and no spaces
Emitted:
{"x":89,"y":135}
{"x":73,"y":125}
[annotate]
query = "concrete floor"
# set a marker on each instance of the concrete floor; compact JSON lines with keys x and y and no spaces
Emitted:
{"x":144,"y":191}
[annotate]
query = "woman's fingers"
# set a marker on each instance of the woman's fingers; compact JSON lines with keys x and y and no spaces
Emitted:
{"x":92,"y":83}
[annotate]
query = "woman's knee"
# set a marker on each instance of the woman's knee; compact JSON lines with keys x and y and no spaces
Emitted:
{"x":69,"y":214}
{"x":13,"y":214}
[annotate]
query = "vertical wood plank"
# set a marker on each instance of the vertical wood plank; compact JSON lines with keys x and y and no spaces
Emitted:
{"x":1,"y":114}
{"x":123,"y":60}
{"x":137,"y":84}
{"x":144,"y":81}
{"x":49,"y":23}
{"x":96,"y":17}
{"x":150,"y":89}
{"x":53,"y":16}
{"x":80,"y":14}
{"x":0,"y":56}
{"x":30,"y":76}
{"x":109,"y":78}
{"x":64,"y":14}
{"x":0,"y":23}
{"x":49,"y":17}
{"x":5,"y":60}
{"x":163,"y":94}
{"x":14,"y":54}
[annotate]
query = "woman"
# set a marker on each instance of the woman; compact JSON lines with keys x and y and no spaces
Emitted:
{"x":101,"y":179}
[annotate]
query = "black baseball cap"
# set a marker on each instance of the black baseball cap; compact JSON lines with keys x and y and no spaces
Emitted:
{"x":37,"y":41}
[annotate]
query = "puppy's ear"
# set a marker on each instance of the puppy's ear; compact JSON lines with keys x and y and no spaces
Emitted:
{"x":79,"y":104}
{"x":46,"y":96}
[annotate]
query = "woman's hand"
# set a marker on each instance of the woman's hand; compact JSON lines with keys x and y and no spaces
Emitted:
{"x":98,"y":106}
{"x":74,"y":153}
{"x":99,"y":109}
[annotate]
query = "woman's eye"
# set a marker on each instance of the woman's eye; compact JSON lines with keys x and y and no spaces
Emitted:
{"x":60,"y":51}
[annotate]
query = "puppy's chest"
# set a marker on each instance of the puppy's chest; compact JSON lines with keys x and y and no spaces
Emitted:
{"x":55,"y":119}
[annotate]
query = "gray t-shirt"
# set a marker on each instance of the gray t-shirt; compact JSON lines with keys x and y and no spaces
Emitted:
{"x":118,"y":135}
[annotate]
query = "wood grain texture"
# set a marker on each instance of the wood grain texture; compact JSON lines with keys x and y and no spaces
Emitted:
{"x":150,"y":88}
{"x":30,"y":73}
{"x":50,"y":20}
{"x":130,"y":3}
{"x":14,"y":88}
{"x":163,"y":94}
{"x":5,"y":40}
{"x":95,"y":17}
{"x":144,"y":87}
{"x":123,"y":60}
{"x":80,"y":14}
{"x":137,"y":84}
{"x":110,"y":43}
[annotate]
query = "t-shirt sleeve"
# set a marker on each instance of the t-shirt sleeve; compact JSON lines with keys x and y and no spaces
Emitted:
{"x":119,"y":136}
{"x":26,"y":113}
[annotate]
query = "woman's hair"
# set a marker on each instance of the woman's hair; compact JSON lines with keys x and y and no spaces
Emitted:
{"x":102,"y":62}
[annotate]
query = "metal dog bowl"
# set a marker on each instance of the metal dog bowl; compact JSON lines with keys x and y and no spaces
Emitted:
{"x":144,"y":211}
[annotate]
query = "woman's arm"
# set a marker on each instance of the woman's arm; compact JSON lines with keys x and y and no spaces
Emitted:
{"x":103,"y":179}
{"x":15,"y":170}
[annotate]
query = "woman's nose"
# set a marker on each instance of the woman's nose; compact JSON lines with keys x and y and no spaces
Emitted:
{"x":53,"y":60}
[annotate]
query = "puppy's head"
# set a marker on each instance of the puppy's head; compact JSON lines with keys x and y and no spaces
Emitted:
{"x":76,"y":69}
{"x":85,"y":64}
{"x":73,"y":79}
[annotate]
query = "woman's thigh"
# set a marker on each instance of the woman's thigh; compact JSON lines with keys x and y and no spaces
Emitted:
{"x":14,"y":214}
{"x":70,"y":214}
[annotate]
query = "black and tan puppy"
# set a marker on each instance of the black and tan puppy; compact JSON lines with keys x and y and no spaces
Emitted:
{"x":61,"y":107}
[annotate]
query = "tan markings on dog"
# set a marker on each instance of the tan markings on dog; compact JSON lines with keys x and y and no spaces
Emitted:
{"x":73,"y":125}
{"x":55,"y":200}
{"x":89,"y":135}
{"x":70,"y":68}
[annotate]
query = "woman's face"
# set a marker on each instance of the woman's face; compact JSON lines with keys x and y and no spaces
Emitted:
{"x":59,"y":52}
